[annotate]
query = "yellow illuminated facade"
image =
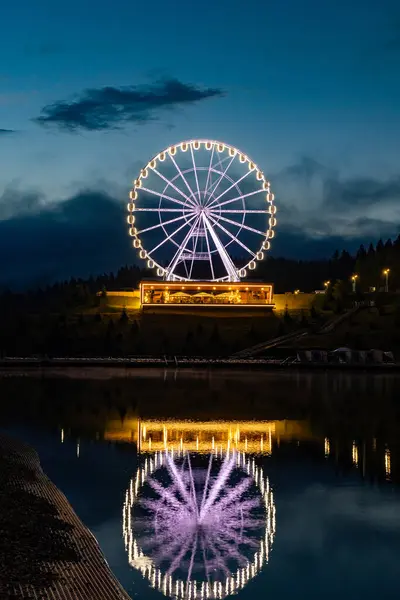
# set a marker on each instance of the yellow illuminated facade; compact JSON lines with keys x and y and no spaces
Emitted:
{"x":205,"y":293}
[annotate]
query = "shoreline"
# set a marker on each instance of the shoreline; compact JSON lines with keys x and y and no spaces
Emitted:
{"x":48,"y":552}
{"x":175,"y":363}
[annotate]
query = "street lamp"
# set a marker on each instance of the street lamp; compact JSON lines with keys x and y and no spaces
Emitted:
{"x":354,"y":281}
{"x":326,"y":284}
{"x":386,"y":274}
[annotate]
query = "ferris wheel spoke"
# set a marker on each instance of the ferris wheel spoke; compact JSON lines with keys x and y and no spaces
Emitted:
{"x":186,"y":269}
{"x":245,"y":211}
{"x":208,"y":250}
{"x":209,"y":169}
{"x":163,"y":210}
{"x":213,"y":184}
{"x":238,"y":198}
{"x":161,"y":224}
{"x":178,"y":558}
{"x":241,"y":225}
{"x":172,"y":265}
{"x":226,"y":259}
{"x":193,"y":197}
{"x":170,"y":198}
{"x":170,"y":183}
{"x":221,"y":161}
{"x":170,"y":236}
{"x":217,"y":169}
{"x":220,"y":179}
{"x":230,"y":187}
{"x":195,"y":173}
{"x":235,"y":239}
{"x":194,"y":251}
{"x":189,"y":575}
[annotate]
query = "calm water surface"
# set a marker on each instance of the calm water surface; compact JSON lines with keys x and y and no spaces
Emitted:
{"x":301,"y":475}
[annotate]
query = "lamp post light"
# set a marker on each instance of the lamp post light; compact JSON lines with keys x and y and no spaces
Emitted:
{"x":386,"y":274}
{"x":354,"y":282}
{"x":326,"y":285}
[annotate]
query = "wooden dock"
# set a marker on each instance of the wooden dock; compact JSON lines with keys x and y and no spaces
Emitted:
{"x":88,"y":577}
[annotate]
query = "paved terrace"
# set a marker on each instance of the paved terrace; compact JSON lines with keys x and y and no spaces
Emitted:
{"x":45,"y":550}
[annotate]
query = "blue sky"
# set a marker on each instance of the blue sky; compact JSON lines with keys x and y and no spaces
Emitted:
{"x":310,"y":90}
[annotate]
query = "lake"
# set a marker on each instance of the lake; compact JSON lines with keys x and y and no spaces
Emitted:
{"x":204,"y":484}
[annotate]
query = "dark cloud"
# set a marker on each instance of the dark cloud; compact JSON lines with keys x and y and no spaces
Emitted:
{"x":361,"y":191}
{"x":87,"y":234}
{"x":110,"y":107}
{"x":335,"y":190}
{"x":322,"y":203}
{"x":306,"y":170}
{"x":15,"y":203}
{"x":304,"y":243}
{"x":6,"y":131}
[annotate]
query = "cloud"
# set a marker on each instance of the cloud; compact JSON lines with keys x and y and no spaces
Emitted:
{"x":82,"y":235}
{"x":6,"y":131}
{"x":306,"y":170}
{"x":87,"y":234}
{"x":15,"y":203}
{"x":322,"y":203}
{"x":336,"y":190}
{"x":359,"y":191}
{"x":318,"y":241}
{"x":111,"y":107}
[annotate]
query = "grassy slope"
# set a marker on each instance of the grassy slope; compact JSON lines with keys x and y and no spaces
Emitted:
{"x":369,"y":328}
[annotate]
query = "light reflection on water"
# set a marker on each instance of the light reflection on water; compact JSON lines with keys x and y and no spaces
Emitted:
{"x":325,"y":448}
{"x":201,"y":523}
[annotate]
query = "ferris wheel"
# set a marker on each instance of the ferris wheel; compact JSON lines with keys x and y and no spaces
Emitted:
{"x":201,"y":210}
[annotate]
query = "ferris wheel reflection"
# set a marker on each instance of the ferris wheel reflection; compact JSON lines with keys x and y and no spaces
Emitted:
{"x":198,"y":526}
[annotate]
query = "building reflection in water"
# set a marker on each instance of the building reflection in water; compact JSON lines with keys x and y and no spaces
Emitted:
{"x":251,"y":437}
{"x":254,"y":437}
{"x":209,"y":518}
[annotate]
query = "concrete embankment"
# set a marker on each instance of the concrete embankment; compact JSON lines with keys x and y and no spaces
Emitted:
{"x":45,"y":550}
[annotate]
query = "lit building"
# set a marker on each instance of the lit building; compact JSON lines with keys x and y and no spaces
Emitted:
{"x":205,"y":293}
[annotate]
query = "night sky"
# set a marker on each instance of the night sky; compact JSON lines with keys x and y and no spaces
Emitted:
{"x":89,"y":91}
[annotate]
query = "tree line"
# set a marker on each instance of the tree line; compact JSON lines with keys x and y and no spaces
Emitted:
{"x":286,"y":275}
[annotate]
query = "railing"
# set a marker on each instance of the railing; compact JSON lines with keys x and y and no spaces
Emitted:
{"x":258,"y":348}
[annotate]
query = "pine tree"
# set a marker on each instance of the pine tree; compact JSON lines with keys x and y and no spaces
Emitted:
{"x":124,"y":316}
{"x":361,"y":253}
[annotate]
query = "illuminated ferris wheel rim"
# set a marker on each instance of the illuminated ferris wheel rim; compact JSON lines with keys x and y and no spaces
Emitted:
{"x":165,"y":583}
{"x":196,"y":215}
